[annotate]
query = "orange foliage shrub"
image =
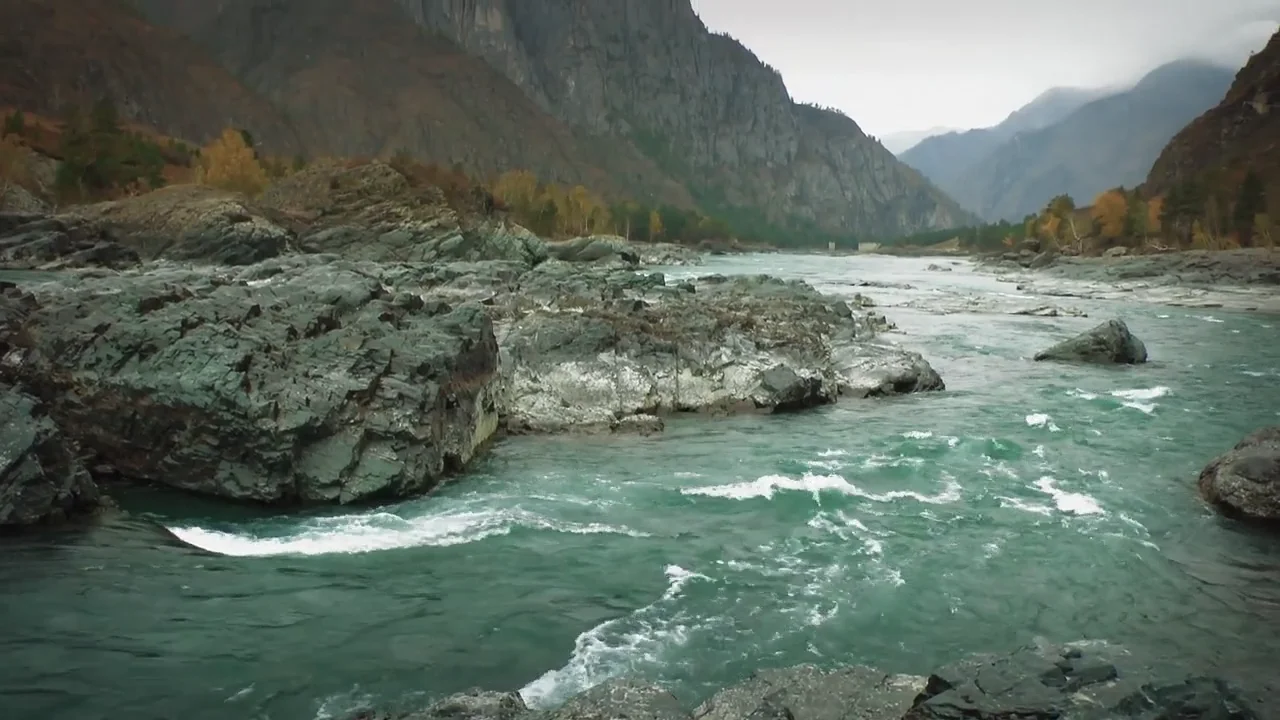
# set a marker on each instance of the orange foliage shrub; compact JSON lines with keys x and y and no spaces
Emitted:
{"x":1110,"y":210}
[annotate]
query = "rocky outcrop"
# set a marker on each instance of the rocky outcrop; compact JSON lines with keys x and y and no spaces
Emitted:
{"x":1111,"y":342}
{"x":1245,"y":482}
{"x":41,"y":476}
{"x":1082,"y":682}
{"x":300,"y":380}
{"x":588,"y":348}
{"x":41,"y":242}
{"x":188,"y":222}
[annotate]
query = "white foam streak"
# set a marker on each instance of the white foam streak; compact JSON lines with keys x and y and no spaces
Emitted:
{"x":1040,"y":420}
{"x":769,"y":485}
{"x":1069,"y":502}
{"x":1141,"y":394}
{"x":372,"y":532}
{"x":615,"y":647}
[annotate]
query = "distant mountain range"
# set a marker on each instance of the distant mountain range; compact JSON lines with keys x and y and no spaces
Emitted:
{"x":900,"y":142}
{"x":1069,"y":140}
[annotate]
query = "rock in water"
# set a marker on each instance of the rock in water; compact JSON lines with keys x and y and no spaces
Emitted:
{"x":810,"y":693}
{"x":41,"y":476}
{"x":1110,"y":342}
{"x":621,"y":699}
{"x":1245,"y":482}
{"x":304,"y":379}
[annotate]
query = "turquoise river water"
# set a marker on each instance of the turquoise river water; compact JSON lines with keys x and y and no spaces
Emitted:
{"x":1029,"y":501}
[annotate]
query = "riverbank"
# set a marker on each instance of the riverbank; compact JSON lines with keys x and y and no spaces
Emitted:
{"x":1233,"y":279}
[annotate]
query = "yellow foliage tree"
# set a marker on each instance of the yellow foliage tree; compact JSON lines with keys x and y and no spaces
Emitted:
{"x":1155,"y":208}
{"x":1051,"y":227}
{"x":1110,"y":210}
{"x":655,"y":225}
{"x":518,"y":189}
{"x":229,"y":163}
{"x":14,"y":169}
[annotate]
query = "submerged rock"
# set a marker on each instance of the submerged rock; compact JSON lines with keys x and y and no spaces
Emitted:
{"x":300,"y":380}
{"x":1245,"y":482}
{"x":41,"y":476}
{"x":1110,"y":342}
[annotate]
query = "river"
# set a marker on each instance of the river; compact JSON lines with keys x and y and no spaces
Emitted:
{"x":1029,"y":501}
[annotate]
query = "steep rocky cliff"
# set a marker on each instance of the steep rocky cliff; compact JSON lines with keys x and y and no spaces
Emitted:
{"x":702,"y":105}
{"x":1240,"y":133}
{"x":634,"y":98}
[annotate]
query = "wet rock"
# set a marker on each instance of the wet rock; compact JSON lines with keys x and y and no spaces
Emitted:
{"x":1110,"y":342}
{"x":1050,"y":683}
{"x":934,"y":267}
{"x":1116,"y":252}
{"x":584,"y":345}
{"x":810,"y":693}
{"x":302,"y":380}
{"x":1050,"y":311}
{"x":617,"y":699}
{"x":1245,"y":482}
{"x":473,"y":705}
{"x":41,"y":476}
{"x":1043,"y":260}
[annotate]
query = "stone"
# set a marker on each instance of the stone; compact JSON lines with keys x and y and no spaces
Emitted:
{"x":39,"y":242}
{"x":41,"y":476}
{"x":1245,"y":481}
{"x":1110,"y":342}
{"x":302,"y":380}
{"x":616,"y":699}
{"x":810,"y":693}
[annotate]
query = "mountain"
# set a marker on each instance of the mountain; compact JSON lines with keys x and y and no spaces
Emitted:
{"x":1107,"y":143}
{"x":1240,"y":133}
{"x":900,"y":142}
{"x":508,"y":83}
{"x":63,"y":53}
{"x":946,"y":159}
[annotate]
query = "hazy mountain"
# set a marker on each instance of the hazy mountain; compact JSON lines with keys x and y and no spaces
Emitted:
{"x":1109,"y":142}
{"x":899,"y":142}
{"x":946,"y":159}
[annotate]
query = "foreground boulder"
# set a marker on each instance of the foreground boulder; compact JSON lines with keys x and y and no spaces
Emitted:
{"x":41,"y":476}
{"x":1093,"y":682}
{"x":1109,"y":343}
{"x":307,"y":379}
{"x":1245,"y":482}
{"x":41,"y":242}
{"x":587,"y":348}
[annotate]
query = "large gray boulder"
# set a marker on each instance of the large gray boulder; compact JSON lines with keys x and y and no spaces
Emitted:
{"x":302,"y":380}
{"x":1109,"y":343}
{"x":1245,"y":481}
{"x":40,"y":242}
{"x":41,"y":476}
{"x":585,"y":347}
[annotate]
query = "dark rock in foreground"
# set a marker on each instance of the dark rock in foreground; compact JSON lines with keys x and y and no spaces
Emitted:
{"x":1245,"y":482}
{"x":300,"y":380}
{"x":1085,"y":682}
{"x":41,"y":476}
{"x":1110,"y":342}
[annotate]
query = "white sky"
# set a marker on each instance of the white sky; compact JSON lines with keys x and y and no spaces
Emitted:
{"x":896,"y":65}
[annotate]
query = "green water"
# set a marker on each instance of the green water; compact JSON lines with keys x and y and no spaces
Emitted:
{"x":1029,"y":501}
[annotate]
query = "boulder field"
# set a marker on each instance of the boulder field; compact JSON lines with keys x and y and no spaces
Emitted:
{"x":350,"y":338}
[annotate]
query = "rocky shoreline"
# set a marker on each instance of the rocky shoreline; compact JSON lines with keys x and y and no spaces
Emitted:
{"x":350,"y":338}
{"x":1237,"y":279}
{"x":1085,"y":681}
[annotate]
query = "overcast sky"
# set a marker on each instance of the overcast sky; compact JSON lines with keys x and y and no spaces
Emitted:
{"x":897,"y":65}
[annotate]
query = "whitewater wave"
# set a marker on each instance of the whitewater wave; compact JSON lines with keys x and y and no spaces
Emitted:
{"x":1041,"y":420}
{"x":1134,"y":399}
{"x":371,"y":532}
{"x":769,"y":485}
{"x":616,"y":647}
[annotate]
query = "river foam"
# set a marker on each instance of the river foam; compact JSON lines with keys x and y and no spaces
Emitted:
{"x":354,"y":534}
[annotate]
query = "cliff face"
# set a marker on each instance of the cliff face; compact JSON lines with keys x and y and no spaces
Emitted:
{"x":702,"y":105}
{"x":1240,"y":133}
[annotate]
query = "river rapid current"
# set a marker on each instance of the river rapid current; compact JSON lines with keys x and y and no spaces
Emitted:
{"x":1027,"y":502}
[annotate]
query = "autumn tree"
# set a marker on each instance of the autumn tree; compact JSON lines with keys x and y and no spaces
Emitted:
{"x":229,"y":164}
{"x":1250,"y":201}
{"x":519,"y":190}
{"x":14,"y":168}
{"x":1155,"y":211}
{"x":1110,"y":213}
{"x":655,"y":225}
